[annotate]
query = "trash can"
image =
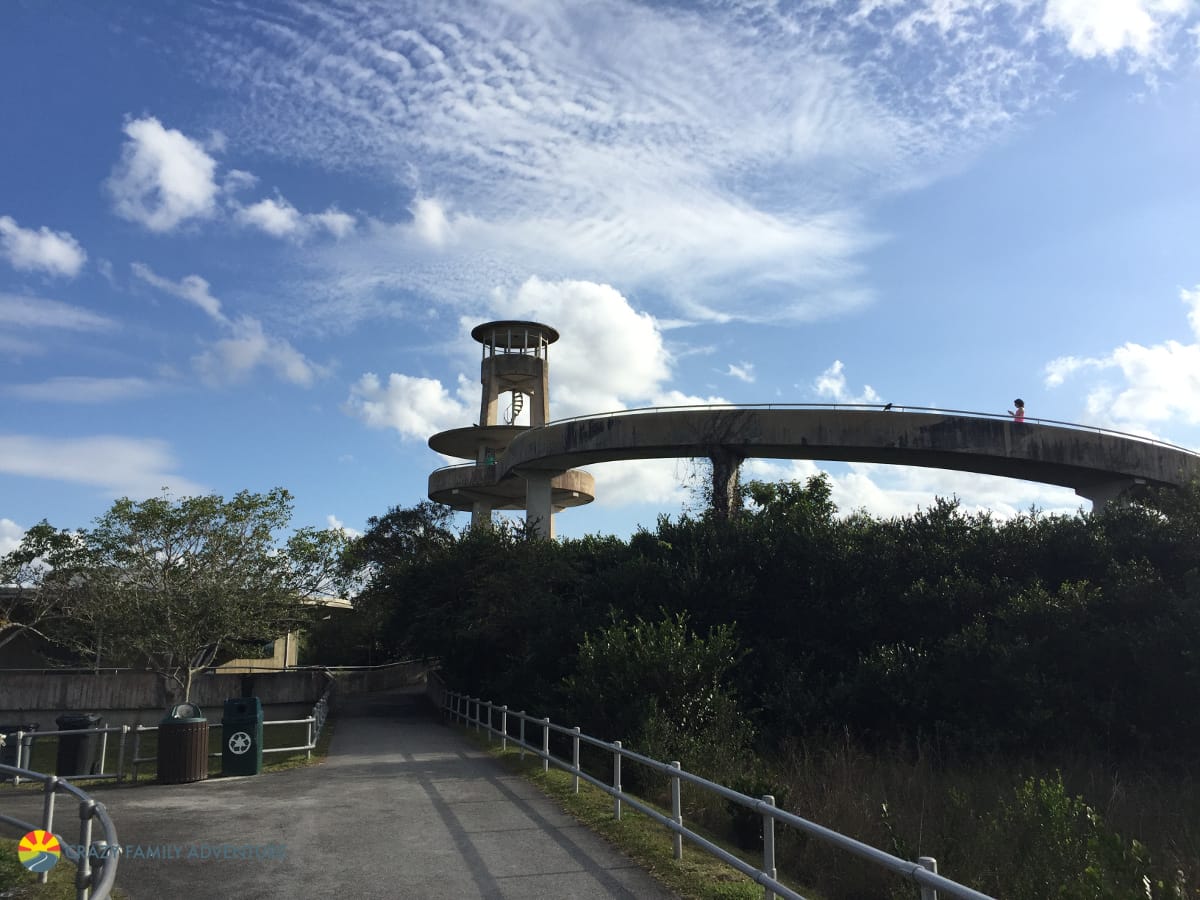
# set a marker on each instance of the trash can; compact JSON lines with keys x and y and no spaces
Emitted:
{"x":78,"y":754}
{"x":8,"y":753}
{"x":182,"y":745}
{"x":242,"y":734}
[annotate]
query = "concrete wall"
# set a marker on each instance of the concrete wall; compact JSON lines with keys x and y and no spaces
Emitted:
{"x":381,"y":678}
{"x":129,"y":698}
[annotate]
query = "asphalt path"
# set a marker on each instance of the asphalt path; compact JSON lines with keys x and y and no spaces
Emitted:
{"x":403,"y":807}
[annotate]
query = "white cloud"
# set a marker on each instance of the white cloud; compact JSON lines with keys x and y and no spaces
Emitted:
{"x":831,"y":384}
{"x":279,"y":218}
{"x":886,"y":491}
{"x":742,"y":371}
{"x":38,"y":312}
{"x":83,"y":389}
{"x":191,"y":288}
{"x":430,"y":223}
{"x":333,"y":220}
{"x":1155,"y":384}
{"x":415,"y":407}
{"x":163,"y":178}
{"x":661,"y":482}
{"x":10,"y":536}
{"x":333,"y":523}
{"x":1110,"y":28}
{"x":56,"y":252}
{"x":134,"y":467}
{"x":610,"y":356}
{"x":232,"y":359}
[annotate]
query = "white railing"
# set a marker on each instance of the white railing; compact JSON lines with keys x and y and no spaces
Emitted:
{"x":471,"y":711}
{"x":128,"y":758}
{"x":95,"y":860}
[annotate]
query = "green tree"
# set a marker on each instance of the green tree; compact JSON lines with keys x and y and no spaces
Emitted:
{"x":176,"y":584}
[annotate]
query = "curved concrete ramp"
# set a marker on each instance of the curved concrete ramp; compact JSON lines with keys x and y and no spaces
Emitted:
{"x":1097,"y":464}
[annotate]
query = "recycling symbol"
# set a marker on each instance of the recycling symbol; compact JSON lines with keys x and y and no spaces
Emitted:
{"x":239,"y":742}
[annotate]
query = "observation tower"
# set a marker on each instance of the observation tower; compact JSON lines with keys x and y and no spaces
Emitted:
{"x":515,"y":362}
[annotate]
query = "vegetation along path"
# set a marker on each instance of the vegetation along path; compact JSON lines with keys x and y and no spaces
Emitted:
{"x":402,"y":807}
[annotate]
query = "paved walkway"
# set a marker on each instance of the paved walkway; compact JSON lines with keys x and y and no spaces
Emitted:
{"x":403,"y":807}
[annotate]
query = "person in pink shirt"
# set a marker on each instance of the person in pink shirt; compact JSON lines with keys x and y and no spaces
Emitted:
{"x":1018,"y":414}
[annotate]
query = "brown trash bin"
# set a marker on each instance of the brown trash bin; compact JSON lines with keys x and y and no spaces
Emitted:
{"x":182,"y":745}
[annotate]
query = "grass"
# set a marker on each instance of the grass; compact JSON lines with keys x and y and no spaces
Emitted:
{"x":18,"y":883}
{"x":698,"y":876}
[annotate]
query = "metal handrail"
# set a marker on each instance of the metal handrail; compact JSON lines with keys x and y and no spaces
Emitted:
{"x":923,"y":871}
{"x":896,"y":407}
{"x":92,"y":882}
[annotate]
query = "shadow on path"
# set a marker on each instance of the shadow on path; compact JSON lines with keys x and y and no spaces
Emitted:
{"x":403,"y":807}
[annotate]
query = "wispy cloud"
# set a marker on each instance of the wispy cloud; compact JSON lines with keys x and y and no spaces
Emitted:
{"x":686,"y":150}
{"x":247,"y":347}
{"x":742,"y":371}
{"x":192,"y":288}
{"x":136,"y":467}
{"x":83,"y":389}
{"x":21,"y":311}
{"x":55,"y":252}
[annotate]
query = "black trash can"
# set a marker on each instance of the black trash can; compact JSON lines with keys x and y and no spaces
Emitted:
{"x":8,"y":753}
{"x":78,"y":754}
{"x":242,"y":734}
{"x":182,"y":745}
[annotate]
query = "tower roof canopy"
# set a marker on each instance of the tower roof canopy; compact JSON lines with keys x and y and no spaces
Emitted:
{"x":514,"y":335}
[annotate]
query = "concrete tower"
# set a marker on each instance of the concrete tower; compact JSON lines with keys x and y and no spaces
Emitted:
{"x":515,"y":362}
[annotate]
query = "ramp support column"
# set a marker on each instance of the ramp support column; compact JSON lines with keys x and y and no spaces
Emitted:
{"x":539,"y":513}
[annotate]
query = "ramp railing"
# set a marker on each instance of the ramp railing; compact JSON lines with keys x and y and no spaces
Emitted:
{"x":95,"y":859}
{"x":499,"y":721}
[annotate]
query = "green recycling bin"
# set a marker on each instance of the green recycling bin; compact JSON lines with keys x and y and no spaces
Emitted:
{"x":182,"y":745}
{"x":242,"y":736}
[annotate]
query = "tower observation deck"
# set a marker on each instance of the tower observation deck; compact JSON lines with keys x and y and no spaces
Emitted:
{"x":515,"y":361}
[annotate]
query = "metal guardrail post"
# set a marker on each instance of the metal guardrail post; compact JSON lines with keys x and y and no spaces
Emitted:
{"x":929,"y":863}
{"x":51,"y":789}
{"x":617,"y":780}
{"x":121,"y":754}
{"x":83,"y":874}
{"x":545,"y":745}
{"x":488,"y":704}
{"x":504,"y":727}
{"x":769,"y":845}
{"x":677,"y":810}
{"x":309,"y":740}
{"x":522,"y":717}
{"x":575,"y":760}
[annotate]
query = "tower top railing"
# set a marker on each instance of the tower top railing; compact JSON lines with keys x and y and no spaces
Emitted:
{"x":514,"y":336}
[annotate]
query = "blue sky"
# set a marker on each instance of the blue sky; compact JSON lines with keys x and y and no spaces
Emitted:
{"x":242,"y":244}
